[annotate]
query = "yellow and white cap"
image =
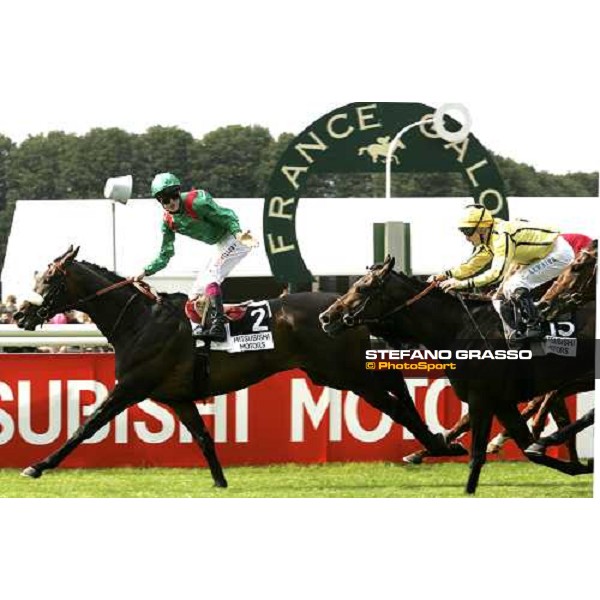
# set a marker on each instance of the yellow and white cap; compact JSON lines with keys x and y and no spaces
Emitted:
{"x":474,"y":216}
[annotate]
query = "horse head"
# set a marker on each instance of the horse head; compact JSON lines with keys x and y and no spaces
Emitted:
{"x":52,"y":293}
{"x":363,"y":302}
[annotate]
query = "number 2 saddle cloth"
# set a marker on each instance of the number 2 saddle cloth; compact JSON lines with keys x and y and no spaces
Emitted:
{"x":249,"y":328}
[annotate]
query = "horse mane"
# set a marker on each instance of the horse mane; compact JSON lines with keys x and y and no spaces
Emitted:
{"x":114,"y":278}
{"x":110,"y":275}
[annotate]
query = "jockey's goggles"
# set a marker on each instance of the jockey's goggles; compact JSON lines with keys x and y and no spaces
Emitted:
{"x":166,"y":196}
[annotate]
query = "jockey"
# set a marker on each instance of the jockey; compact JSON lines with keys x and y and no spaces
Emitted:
{"x":540,"y":252}
{"x":196,"y":215}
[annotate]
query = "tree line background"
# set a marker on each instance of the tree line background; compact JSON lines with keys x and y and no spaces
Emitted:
{"x":230,"y":162}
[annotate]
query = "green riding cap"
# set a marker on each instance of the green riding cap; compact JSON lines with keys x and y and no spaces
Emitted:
{"x":162,"y":181}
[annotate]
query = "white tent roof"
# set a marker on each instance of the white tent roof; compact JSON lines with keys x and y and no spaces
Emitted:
{"x":335,"y":235}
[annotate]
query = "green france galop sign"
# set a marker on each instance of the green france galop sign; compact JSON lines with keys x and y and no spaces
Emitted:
{"x":355,"y":139}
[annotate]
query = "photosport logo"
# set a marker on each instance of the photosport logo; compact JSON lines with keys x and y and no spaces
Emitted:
{"x":373,"y":137}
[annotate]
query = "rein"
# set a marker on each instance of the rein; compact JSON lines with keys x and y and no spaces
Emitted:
{"x":141,"y":287}
{"x":144,"y":288}
{"x":99,"y":293}
{"x":473,"y":322}
{"x":406,"y":304}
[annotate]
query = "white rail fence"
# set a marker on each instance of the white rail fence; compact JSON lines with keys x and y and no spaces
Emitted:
{"x":51,"y":335}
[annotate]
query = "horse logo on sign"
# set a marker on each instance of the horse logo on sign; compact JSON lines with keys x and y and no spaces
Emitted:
{"x":378,"y":149}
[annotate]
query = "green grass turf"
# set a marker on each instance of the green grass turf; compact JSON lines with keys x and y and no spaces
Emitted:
{"x":340,"y":480}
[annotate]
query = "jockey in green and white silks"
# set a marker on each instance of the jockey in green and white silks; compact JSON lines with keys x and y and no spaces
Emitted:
{"x":536,"y":254}
{"x":196,"y":215}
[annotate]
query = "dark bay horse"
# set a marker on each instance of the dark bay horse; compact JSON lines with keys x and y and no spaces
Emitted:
{"x":401,"y":309}
{"x":155,"y":355}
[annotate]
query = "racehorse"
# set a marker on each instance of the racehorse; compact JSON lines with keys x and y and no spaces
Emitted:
{"x":400,"y":309}
{"x":155,"y":354}
{"x":575,"y":286}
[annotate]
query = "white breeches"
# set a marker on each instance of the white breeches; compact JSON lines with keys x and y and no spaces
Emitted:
{"x":228,"y":252}
{"x":543,"y":270}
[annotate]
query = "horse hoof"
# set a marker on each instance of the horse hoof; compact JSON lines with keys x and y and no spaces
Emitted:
{"x":31,"y":472}
{"x":221,"y":484}
{"x":470,"y":489}
{"x":457,"y":449}
{"x":535,"y":449}
{"x":416,"y":458}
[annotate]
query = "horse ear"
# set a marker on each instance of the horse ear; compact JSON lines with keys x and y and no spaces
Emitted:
{"x":388,"y":264}
{"x":69,"y":255}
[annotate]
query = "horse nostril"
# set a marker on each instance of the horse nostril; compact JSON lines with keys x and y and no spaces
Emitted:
{"x":348,"y":320}
{"x":324,"y":319}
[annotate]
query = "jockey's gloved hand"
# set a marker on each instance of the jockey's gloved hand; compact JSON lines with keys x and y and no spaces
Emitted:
{"x":438,"y":277}
{"x":247,"y":239}
{"x":453,"y":284}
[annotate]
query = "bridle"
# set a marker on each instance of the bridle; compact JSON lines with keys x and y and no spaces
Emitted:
{"x":350,"y":319}
{"x":55,"y":289}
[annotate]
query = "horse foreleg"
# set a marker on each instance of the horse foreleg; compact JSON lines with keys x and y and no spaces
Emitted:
{"x":537,"y":449}
{"x":517,"y":427}
{"x":481,"y":425}
{"x":531,"y":408}
{"x":460,"y":427}
{"x":116,"y":402}
{"x":189,"y":416}
{"x":563,"y":421}
{"x":539,"y":420}
{"x":397,"y":403}
{"x":562,"y":418}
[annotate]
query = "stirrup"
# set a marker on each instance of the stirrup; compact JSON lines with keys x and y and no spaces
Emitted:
{"x":530,"y":333}
{"x":198,"y":331}
{"x":217,"y":331}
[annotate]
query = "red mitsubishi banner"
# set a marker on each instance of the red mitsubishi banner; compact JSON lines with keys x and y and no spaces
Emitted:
{"x":44,"y":398}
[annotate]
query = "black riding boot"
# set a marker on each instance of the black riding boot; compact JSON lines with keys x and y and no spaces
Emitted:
{"x":530,"y":317}
{"x":217,"y":330}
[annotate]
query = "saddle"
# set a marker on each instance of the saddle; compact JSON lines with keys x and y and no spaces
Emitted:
{"x":233,"y":312}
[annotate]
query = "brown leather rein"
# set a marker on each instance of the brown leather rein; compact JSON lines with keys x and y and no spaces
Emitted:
{"x":350,"y":318}
{"x":412,"y":300}
{"x":141,"y":287}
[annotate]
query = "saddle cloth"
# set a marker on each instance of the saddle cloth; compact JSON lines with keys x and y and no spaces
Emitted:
{"x":560,"y":338}
{"x":249,"y":329}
